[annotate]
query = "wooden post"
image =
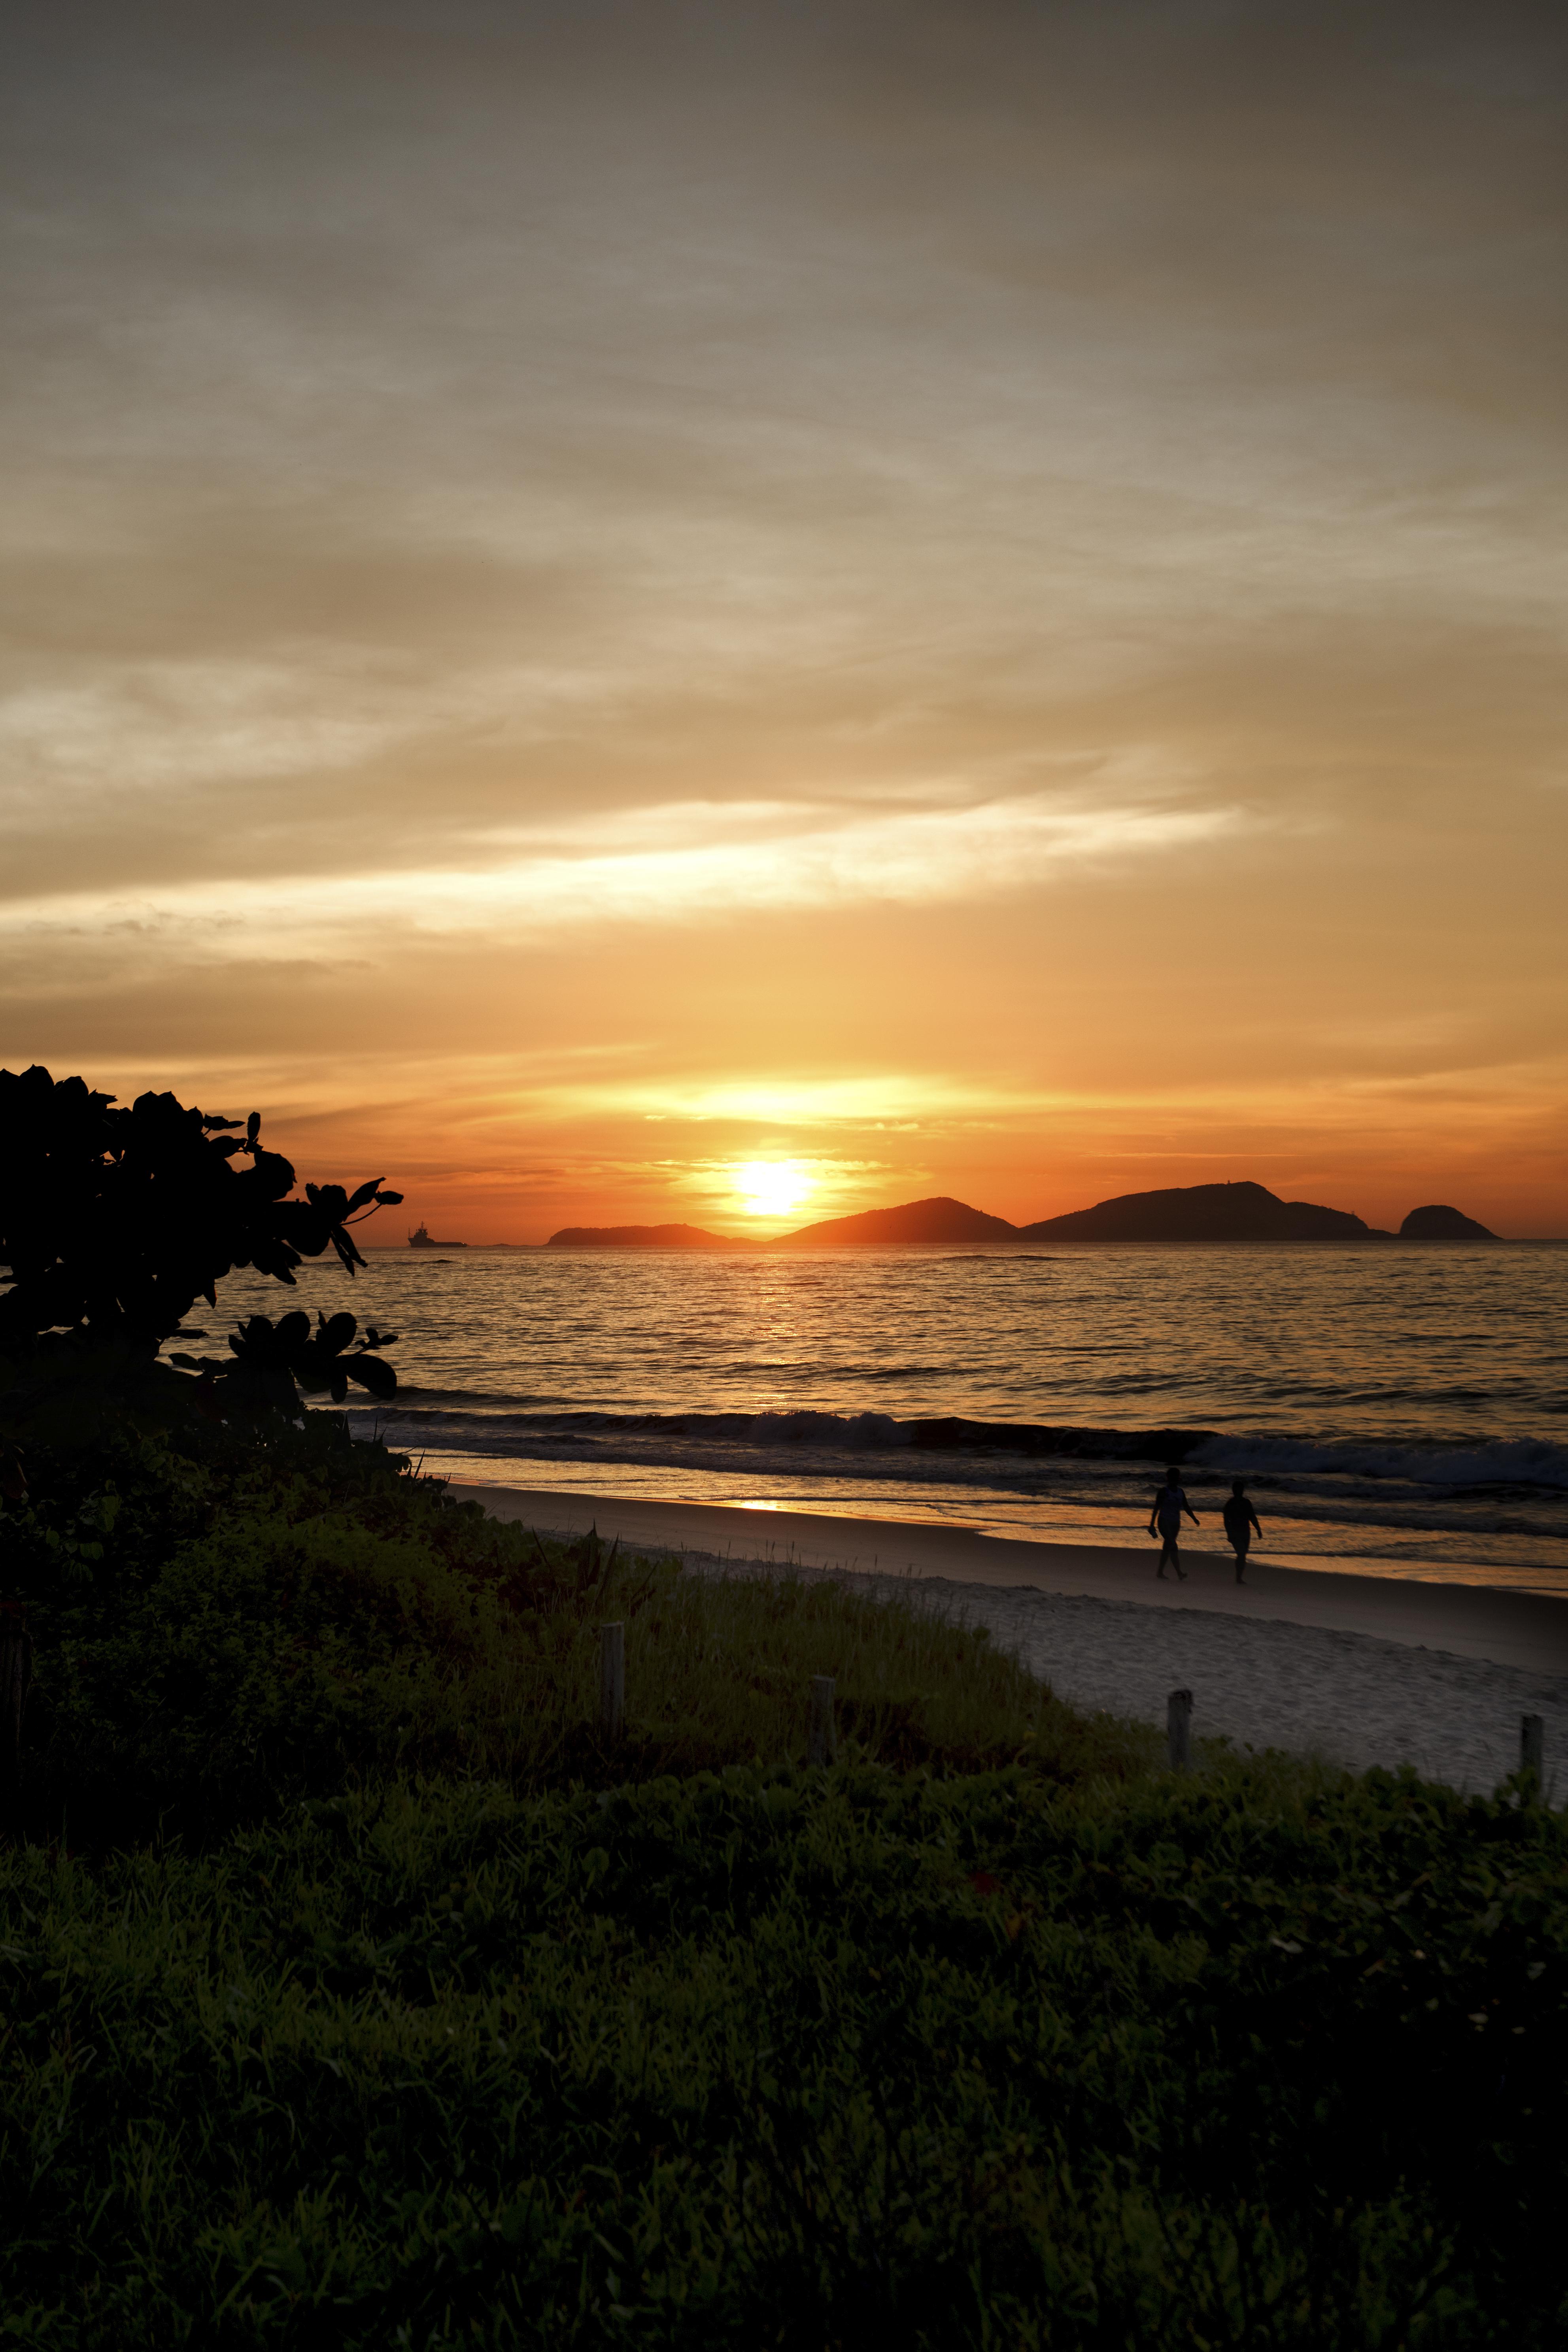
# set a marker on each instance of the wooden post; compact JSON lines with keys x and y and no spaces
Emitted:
{"x":611,"y":1680}
{"x":821,"y":1736}
{"x":15,"y":1675}
{"x":1532,"y":1747}
{"x":1179,"y":1728}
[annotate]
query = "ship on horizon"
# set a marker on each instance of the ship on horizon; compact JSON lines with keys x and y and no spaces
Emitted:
{"x":420,"y":1239}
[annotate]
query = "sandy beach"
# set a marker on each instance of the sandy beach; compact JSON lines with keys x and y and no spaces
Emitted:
{"x":1362,"y":1670}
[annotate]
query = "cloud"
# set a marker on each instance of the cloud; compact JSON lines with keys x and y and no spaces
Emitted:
{"x":907,"y":859}
{"x":870,"y":1099}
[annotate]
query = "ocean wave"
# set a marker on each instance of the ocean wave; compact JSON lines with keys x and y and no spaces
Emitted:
{"x":1513,"y":1461}
{"x":1518,"y":1465}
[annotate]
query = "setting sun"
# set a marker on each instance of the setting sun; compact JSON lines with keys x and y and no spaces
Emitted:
{"x":771,"y":1188}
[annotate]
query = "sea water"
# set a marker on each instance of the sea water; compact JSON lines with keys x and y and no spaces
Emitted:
{"x":1396,"y":1408}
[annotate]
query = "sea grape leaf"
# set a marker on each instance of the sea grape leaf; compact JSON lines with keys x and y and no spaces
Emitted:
{"x":114,"y":1220}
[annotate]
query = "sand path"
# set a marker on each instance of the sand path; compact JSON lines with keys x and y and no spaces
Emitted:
{"x":1349,"y":1698}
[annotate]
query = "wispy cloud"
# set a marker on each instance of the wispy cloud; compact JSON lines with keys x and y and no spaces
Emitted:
{"x":874,"y":1098}
{"x":903,"y":858}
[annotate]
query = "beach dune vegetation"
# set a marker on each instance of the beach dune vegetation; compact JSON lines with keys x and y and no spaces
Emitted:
{"x":236,"y":1621}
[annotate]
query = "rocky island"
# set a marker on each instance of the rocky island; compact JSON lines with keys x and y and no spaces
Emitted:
{"x":937,"y":1220}
{"x":688,"y":1237}
{"x":1438,"y":1224}
{"x":1205,"y":1212}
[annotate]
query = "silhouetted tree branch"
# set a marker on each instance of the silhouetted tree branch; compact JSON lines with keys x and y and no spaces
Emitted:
{"x":114,"y":1222}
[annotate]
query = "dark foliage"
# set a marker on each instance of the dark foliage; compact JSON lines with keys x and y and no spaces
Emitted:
{"x":810,"y":2061}
{"x":114,"y":1222}
{"x":229,"y":1620}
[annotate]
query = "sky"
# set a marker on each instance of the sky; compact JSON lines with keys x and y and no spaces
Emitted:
{"x":621,"y":610}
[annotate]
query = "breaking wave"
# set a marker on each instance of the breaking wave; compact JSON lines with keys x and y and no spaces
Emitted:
{"x":1516,"y":1462}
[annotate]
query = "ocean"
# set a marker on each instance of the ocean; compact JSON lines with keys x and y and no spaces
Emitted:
{"x":1399,"y":1410}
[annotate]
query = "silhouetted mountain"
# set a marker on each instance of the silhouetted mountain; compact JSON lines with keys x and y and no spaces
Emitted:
{"x":913,"y":1221}
{"x":1203,"y":1213}
{"x":639,"y":1237}
{"x":1436,"y":1224}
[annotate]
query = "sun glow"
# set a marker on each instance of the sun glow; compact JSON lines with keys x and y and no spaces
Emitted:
{"x":771,"y":1188}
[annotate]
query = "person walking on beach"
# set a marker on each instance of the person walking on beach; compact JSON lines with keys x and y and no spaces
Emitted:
{"x":1241,"y":1519}
{"x":1164,"y":1521}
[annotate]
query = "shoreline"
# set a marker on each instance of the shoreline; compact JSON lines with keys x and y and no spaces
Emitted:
{"x":1358,"y":1671}
{"x":974,"y":1509}
{"x":1527,"y":1631}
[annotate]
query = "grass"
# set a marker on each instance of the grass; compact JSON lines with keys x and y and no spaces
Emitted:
{"x":382,"y":2007}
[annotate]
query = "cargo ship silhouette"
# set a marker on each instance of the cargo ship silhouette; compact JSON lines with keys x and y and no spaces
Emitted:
{"x":421,"y":1240}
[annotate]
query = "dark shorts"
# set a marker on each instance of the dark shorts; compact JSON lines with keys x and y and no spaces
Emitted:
{"x":1169,"y":1530}
{"x":1238,"y":1542}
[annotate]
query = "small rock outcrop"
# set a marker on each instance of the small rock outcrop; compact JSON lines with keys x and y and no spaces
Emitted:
{"x":1438,"y":1224}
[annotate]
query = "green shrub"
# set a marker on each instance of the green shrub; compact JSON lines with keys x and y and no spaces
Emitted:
{"x":771,"y":2057}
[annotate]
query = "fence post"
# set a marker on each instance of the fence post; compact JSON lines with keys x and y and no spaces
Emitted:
{"x":1179,"y":1728}
{"x":611,"y":1680}
{"x":15,"y":1675}
{"x":821,"y":1736}
{"x":1532,"y":1747}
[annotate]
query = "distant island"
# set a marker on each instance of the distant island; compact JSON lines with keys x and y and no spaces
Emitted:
{"x":1436,"y":1224}
{"x":1205,"y":1212}
{"x":1242,"y":1212}
{"x":940,"y":1219}
{"x":686,"y":1237}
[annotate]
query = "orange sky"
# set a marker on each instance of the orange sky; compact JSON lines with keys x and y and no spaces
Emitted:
{"x":969,"y":598}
